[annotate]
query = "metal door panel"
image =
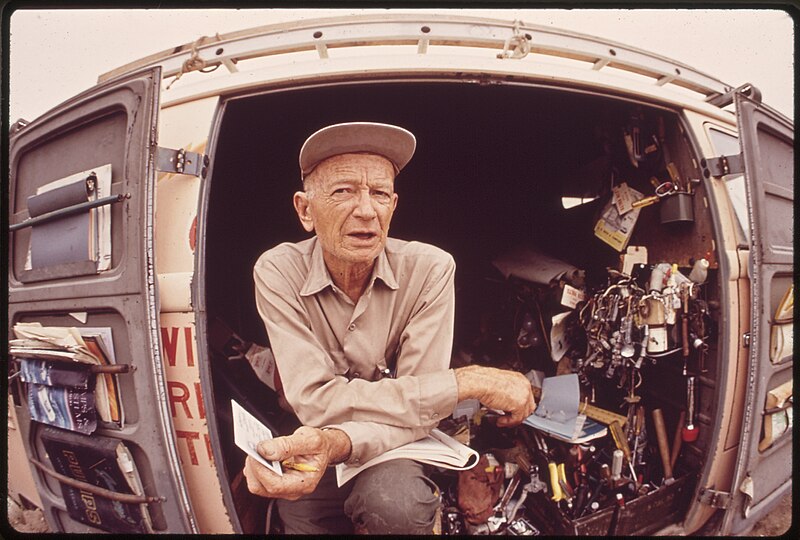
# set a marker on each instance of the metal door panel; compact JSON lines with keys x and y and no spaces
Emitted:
{"x":766,"y":140}
{"x":115,"y":124}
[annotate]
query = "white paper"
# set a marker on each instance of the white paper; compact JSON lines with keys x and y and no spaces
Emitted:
{"x":248,"y":432}
{"x":558,"y":339}
{"x":438,"y":449}
{"x":101,"y":240}
{"x":623,"y":198}
{"x":530,"y":264}
{"x":614,"y":228}
{"x":80,"y":316}
{"x":571,"y":296}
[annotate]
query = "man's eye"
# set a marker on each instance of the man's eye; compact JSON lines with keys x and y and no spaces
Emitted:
{"x":342,"y":191}
{"x":381,"y":195}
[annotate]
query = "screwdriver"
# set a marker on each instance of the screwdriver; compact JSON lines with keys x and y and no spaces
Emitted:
{"x":622,"y":443}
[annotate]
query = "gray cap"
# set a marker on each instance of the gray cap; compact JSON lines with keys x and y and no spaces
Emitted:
{"x":392,"y":142}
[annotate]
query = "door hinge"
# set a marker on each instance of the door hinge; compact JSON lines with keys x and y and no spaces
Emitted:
{"x":181,"y":161}
{"x":714,"y":498}
{"x":746,"y":340}
{"x":722,"y":165}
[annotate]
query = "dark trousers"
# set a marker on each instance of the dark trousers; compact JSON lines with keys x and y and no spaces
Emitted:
{"x":394,"y":497}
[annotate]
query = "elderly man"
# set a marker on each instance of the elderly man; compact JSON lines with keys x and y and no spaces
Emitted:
{"x":361,"y":326}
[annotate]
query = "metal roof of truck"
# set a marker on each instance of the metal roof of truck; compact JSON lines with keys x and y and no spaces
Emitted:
{"x":514,"y":41}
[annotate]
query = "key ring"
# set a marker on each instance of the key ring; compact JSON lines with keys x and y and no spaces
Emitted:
{"x":665,"y":189}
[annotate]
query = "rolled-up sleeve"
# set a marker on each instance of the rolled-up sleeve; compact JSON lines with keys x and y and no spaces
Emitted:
{"x":377,"y":415}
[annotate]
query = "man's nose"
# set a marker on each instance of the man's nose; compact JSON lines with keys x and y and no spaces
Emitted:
{"x":365,"y":208}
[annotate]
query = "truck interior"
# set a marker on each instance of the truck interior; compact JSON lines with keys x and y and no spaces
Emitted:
{"x":499,"y":169}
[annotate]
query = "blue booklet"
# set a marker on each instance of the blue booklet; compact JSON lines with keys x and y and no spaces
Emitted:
{"x":557,"y":412}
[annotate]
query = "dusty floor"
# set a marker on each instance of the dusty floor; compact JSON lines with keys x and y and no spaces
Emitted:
{"x":774,"y":524}
{"x":31,"y":521}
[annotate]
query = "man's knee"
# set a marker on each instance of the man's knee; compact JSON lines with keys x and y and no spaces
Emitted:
{"x":393,"y":498}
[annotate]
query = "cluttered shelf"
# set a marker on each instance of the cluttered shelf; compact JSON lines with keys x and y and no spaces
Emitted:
{"x":69,"y":379}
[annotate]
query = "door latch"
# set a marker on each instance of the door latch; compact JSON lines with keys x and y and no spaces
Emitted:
{"x":714,"y":498}
{"x":722,"y":166}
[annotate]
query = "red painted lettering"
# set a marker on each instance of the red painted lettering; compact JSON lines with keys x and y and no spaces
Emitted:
{"x":208,"y":448}
{"x":199,"y":396}
{"x":181,"y":398}
{"x":170,"y":342}
{"x":187,"y":339}
{"x":190,"y":437}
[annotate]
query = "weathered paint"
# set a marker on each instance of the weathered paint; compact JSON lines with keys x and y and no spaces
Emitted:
{"x":20,"y":477}
{"x":189,"y":420}
{"x":185,"y":127}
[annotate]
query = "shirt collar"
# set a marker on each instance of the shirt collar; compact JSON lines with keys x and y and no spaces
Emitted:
{"x":318,"y":276}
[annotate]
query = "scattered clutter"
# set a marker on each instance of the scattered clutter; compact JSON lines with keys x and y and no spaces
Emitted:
{"x":598,"y":445}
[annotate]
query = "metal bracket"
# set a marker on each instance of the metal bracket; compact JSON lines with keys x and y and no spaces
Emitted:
{"x":181,"y":162}
{"x":722,"y":165}
{"x":521,"y":43}
{"x":723,"y":100}
{"x":714,"y":498}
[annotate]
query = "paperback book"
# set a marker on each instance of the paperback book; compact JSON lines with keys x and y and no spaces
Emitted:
{"x":103,"y":462}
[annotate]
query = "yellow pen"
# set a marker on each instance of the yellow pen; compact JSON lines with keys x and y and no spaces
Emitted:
{"x":302,"y":467}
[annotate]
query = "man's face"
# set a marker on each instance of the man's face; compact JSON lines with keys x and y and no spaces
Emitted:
{"x":349,"y":202}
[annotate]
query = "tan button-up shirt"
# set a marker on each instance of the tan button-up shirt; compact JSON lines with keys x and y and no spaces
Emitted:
{"x":330,"y":352}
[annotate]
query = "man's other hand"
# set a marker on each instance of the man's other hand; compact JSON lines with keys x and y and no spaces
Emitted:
{"x":313,"y":448}
{"x":500,"y":389}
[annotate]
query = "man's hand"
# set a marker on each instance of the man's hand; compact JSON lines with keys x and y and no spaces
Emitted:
{"x":500,"y":389}
{"x":308,"y":446}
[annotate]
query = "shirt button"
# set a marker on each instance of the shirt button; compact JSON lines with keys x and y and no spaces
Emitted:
{"x":356,"y":375}
{"x":352,"y":327}
{"x":435,"y":416}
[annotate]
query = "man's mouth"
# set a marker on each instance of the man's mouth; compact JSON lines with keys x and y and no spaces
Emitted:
{"x":362,"y":235}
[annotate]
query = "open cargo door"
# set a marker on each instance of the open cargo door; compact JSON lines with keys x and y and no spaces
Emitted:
{"x":763,"y":472}
{"x":81,"y":256}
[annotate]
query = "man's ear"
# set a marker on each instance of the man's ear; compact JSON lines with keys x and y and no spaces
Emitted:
{"x":301,"y":206}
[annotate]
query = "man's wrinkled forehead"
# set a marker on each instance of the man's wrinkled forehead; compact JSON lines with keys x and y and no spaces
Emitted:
{"x":353,"y":166}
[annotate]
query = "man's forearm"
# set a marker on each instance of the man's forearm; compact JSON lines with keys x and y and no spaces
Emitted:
{"x":473,"y":381}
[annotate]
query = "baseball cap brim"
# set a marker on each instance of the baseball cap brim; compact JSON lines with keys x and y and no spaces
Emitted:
{"x":392,"y":142}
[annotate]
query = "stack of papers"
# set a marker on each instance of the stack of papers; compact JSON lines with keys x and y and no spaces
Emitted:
{"x":437,"y":449}
{"x":80,"y":237}
{"x":76,"y":346}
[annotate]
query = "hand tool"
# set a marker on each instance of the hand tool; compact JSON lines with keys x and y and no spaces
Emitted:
{"x":677,"y":439}
{"x":663,"y":444}
{"x":690,"y":430}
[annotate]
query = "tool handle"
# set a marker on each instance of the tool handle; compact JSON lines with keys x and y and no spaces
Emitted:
{"x":619,"y":439}
{"x":677,"y":439}
{"x":554,"y":484}
{"x":685,"y":321}
{"x":647,"y":201}
{"x":663,"y":444}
